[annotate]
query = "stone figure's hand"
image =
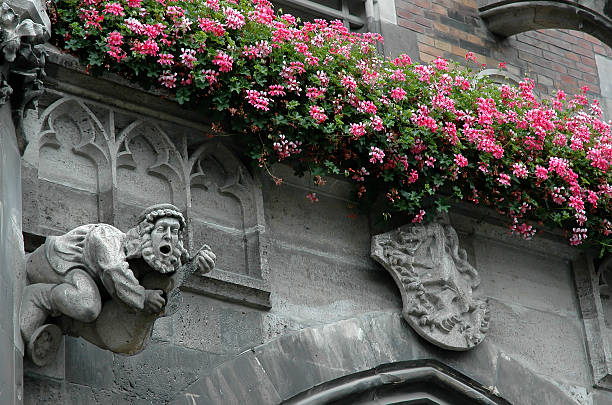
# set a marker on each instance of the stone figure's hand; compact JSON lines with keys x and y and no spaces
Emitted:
{"x":154,"y":301}
{"x":205,"y":259}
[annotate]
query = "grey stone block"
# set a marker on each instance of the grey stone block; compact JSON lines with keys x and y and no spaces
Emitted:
{"x":55,"y":370}
{"x":7,"y":370}
{"x":311,"y":356}
{"x":519,"y":385}
{"x":159,"y":373}
{"x":601,"y":397}
{"x":518,"y":275}
{"x":66,"y":208}
{"x":44,"y":392}
{"x":85,"y":395}
{"x":549,"y":344}
{"x":87,"y":364}
{"x":399,"y":40}
{"x":301,"y":360}
{"x":323,"y":287}
{"x":288,"y":210}
{"x":215,"y":326}
{"x":35,"y":10}
{"x":242,"y":382}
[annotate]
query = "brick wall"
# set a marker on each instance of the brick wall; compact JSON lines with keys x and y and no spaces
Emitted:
{"x":555,"y":59}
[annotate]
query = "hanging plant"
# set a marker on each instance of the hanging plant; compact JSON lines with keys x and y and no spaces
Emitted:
{"x":318,"y":97}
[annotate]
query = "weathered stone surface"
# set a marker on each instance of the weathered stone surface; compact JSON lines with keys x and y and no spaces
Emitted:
{"x":159,"y":373}
{"x":299,"y":362}
{"x":36,"y":10}
{"x":398,"y":40}
{"x":115,"y":164}
{"x":12,"y":274}
{"x":550,"y":344}
{"x":604,"y":70}
{"x":530,"y":279}
{"x":87,"y":364}
{"x":43,"y":392}
{"x":215,"y":326}
{"x":436,"y":283}
{"x":306,"y":294}
{"x":520,"y":385}
{"x":242,"y":382}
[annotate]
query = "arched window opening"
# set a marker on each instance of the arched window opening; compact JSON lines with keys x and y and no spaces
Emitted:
{"x":426,"y":382}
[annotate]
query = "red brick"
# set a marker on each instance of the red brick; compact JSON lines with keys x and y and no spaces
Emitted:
{"x":407,"y":10}
{"x":425,"y":57}
{"x":449,"y":4}
{"x":422,"y":3}
{"x":425,"y":39}
{"x":600,"y":50}
{"x":573,"y":56}
{"x":527,"y":48}
{"x":430,"y":50}
{"x":574,"y":73}
{"x":568,"y":79}
{"x":586,"y":69}
{"x":585,"y":60}
{"x":558,"y":59}
{"x":559,"y":68}
{"x":423,"y":21}
{"x":440,"y":27}
{"x":411,"y":25}
{"x":438,"y":9}
{"x":590,"y":78}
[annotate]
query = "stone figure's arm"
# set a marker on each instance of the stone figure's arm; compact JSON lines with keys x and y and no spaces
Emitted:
{"x":121,"y":283}
{"x":105,"y":242}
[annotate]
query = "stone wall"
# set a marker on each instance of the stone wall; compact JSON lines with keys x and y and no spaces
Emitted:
{"x":293,"y":277}
{"x":12,"y":278}
{"x":101,"y":151}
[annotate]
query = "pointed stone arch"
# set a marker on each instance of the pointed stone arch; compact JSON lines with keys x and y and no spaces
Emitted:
{"x":509,"y":17}
{"x":375,"y":356}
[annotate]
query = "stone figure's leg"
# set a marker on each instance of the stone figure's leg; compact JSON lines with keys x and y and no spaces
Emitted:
{"x":78,"y":297}
{"x":42,"y":340}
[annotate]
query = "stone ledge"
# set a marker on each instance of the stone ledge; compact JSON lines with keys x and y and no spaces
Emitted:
{"x":231,"y":287}
{"x":66,"y":74}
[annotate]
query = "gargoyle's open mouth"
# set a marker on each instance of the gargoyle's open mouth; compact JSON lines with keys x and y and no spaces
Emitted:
{"x":165,"y":249}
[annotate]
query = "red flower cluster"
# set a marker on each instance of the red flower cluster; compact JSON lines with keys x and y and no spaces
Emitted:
{"x":329,"y":104}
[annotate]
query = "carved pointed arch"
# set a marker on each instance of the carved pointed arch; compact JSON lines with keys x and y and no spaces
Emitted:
{"x":509,"y":17}
{"x":371,"y":359}
{"x":169,"y":161}
{"x":225,"y":201}
{"x":105,"y":164}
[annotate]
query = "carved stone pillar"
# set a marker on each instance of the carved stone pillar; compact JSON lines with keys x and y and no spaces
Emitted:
{"x":23,"y":24}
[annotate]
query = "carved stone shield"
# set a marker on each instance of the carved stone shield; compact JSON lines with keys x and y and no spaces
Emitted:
{"x":436,"y":282}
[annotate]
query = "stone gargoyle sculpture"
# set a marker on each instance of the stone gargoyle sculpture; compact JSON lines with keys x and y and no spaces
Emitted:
{"x":436,"y":283}
{"x":107,"y":286}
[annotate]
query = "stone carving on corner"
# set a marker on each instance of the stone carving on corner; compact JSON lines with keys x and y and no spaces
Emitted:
{"x":24,"y":83}
{"x":436,"y":283}
{"x":107,"y":286}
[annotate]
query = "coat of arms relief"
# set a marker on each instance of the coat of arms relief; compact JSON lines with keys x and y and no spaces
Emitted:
{"x":436,"y":283}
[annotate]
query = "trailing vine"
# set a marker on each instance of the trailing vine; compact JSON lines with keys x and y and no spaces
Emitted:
{"x":318,"y":97}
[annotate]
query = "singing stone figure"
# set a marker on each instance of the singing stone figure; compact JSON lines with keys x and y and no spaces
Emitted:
{"x":107,"y":286}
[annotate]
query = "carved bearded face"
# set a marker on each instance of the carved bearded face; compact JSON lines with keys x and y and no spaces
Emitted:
{"x":164,"y":248}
